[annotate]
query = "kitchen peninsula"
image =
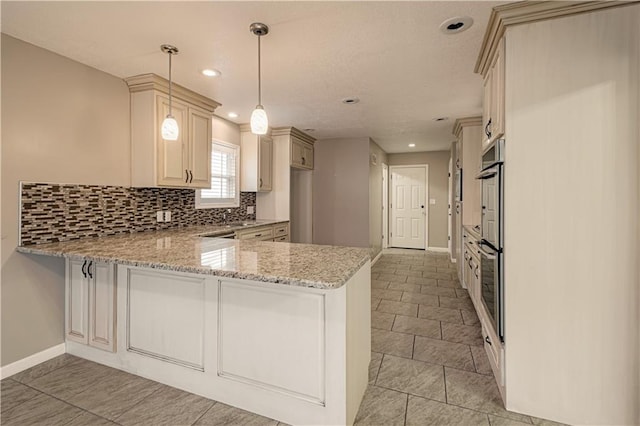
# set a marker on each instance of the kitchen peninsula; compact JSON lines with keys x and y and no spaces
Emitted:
{"x":276,"y":328}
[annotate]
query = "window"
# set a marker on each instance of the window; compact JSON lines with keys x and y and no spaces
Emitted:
{"x":225,"y":181}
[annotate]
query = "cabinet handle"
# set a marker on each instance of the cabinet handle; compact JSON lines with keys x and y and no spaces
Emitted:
{"x":258,"y":235}
{"x":486,"y":339}
{"x":89,"y":269}
{"x":475,"y":272}
{"x":84,"y":272}
{"x":190,"y":176}
{"x":487,"y":130}
{"x":303,"y":161}
{"x":260,"y":182}
{"x":186,"y":172}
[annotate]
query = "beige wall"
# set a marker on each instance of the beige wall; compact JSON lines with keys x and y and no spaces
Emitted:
{"x":61,"y":122}
{"x":438,"y":162}
{"x":375,"y":198}
{"x":341,"y":192}
{"x":572,"y":217}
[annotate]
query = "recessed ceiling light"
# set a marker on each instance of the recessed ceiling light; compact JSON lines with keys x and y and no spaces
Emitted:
{"x":441,"y":119}
{"x":211,"y":73}
{"x":232,"y":115}
{"x":350,"y":101}
{"x":456,"y":24}
{"x":309,"y":130}
{"x":412,"y":145}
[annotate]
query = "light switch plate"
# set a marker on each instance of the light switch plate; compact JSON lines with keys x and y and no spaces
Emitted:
{"x":167,"y":216}
{"x":432,"y":200}
{"x":251,"y":209}
{"x":160,"y":216}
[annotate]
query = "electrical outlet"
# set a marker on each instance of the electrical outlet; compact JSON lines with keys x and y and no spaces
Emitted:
{"x":251,"y":209}
{"x":167,"y":216}
{"x":160,"y":216}
{"x":432,"y":201}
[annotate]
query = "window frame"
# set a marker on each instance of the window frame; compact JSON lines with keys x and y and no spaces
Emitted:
{"x":215,"y":203}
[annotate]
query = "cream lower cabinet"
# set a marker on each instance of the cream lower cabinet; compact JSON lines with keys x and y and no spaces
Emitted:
{"x":277,"y":233}
{"x":90,"y":303}
{"x":156,"y":162}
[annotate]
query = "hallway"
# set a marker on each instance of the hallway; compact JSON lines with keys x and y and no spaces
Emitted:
{"x":428,"y":365}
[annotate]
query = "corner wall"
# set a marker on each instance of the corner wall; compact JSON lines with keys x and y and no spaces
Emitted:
{"x":341,"y":192}
{"x":375,"y":197}
{"x":63,"y":122}
{"x":438,"y":162}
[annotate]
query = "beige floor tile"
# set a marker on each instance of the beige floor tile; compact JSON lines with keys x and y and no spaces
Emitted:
{"x":379,"y":284}
{"x":543,"y":422}
{"x":440,"y":314}
{"x":417,"y":326}
{"x":449,"y":282}
{"x":374,"y":366}
{"x":167,"y":406}
{"x":477,"y":392}
{"x":423,"y":299}
{"x":71,"y":379}
{"x":481,"y":360}
{"x":438,"y":275}
{"x":221,"y":414}
{"x":46,"y":367}
{"x":467,"y":334}
{"x":374,"y":303}
{"x":90,"y":419}
{"x":438,"y":291}
{"x":470,"y":317}
{"x":409,"y":272}
{"x":456,"y":303}
{"x":389,"y":342}
{"x":392,"y":277}
{"x":400,"y":308}
{"x":445,"y":353}
{"x":14,"y":393}
{"x":501,"y":421}
{"x":405,"y":287}
{"x":382,"y":320}
{"x":423,"y":412}
{"x":377,"y":293}
{"x":413,"y":377}
{"x":422,"y":281}
{"x":382,"y":407}
{"x":424,"y":268}
{"x":40,"y":410}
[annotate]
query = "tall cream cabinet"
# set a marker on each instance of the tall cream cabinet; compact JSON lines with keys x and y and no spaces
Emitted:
{"x":469,"y":140}
{"x":256,"y":161}
{"x":155,"y":162}
{"x":571,"y":102}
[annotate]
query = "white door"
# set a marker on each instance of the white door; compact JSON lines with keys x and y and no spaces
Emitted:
{"x":408,"y":206}
{"x":385,"y":203}
{"x":450,"y":211}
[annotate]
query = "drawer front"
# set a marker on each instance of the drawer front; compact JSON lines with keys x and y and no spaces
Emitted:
{"x":283,"y":239}
{"x":280,"y":230}
{"x":260,"y":233}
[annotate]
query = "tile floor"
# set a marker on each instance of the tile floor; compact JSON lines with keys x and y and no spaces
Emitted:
{"x":428,"y":367}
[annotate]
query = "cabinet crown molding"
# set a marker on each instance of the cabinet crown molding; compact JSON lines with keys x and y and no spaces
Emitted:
{"x":286,"y":131}
{"x":464,"y":122}
{"x":523,"y":12}
{"x":143,"y":82}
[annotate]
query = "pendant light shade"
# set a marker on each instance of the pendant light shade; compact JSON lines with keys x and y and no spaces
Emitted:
{"x":170,"y":130}
{"x":259,"y":120}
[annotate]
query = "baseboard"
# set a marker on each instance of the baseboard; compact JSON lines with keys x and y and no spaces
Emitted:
{"x":32,"y":360}
{"x":438,"y":249}
{"x":375,"y":259}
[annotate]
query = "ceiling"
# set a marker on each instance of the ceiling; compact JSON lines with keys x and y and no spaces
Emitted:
{"x":391,"y":55}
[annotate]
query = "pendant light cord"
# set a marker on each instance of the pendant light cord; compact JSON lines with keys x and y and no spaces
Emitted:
{"x":170,"y":106}
{"x":259,"y":76}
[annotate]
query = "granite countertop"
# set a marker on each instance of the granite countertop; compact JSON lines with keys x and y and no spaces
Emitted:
{"x":186,"y":250}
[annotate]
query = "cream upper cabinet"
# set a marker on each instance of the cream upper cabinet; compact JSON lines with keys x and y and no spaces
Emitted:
{"x":256,"y":161}
{"x":156,"y":162}
{"x":469,"y":133}
{"x":493,"y":102}
{"x":301,"y":154}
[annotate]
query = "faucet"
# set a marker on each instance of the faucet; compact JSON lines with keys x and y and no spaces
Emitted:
{"x":224,"y":216}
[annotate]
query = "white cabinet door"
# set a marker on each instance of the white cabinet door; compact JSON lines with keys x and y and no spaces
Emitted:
{"x":172,"y":158}
{"x":265,"y":166}
{"x":199,"y":149}
{"x":77,"y":298}
{"x":408,"y":207}
{"x":102,"y":306}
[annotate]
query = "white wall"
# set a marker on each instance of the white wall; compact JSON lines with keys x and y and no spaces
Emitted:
{"x":61,"y":122}
{"x":572,"y":211}
{"x":341,"y":192}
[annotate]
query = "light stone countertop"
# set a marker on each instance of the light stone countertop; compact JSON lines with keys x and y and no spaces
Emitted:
{"x":185,"y":250}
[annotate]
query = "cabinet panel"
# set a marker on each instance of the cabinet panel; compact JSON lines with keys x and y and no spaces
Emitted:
{"x":301,"y":154}
{"x":77,"y":298}
{"x":102,"y":307}
{"x":172,"y":155}
{"x":200,"y":148}
{"x":307,"y":157}
{"x":265,"y":167}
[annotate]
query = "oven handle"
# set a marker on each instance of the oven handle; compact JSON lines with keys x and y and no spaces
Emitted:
{"x":488,"y":173}
{"x":487,"y":255}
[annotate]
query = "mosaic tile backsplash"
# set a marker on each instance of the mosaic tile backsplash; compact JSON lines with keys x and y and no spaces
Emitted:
{"x":52,"y":212}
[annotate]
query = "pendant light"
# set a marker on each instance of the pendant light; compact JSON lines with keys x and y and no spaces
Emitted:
{"x":259,"y":121}
{"x":170,"y":130}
